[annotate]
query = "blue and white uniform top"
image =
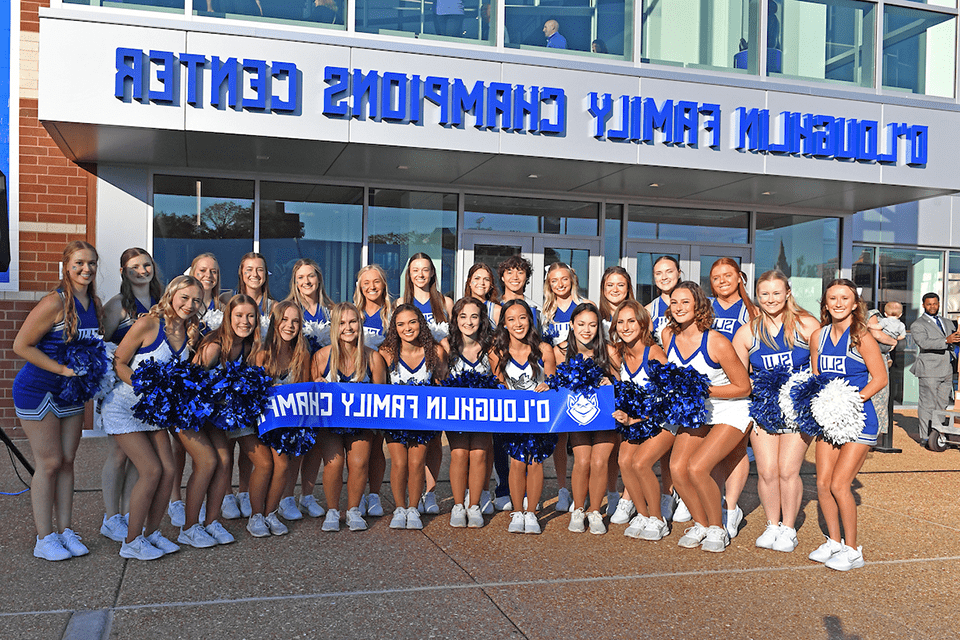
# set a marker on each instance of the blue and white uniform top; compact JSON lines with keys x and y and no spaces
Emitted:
{"x":658,"y":316}
{"x":843,"y":361}
{"x":373,"y":324}
{"x":343,"y":377}
{"x":462,"y":365}
{"x":521,"y":376}
{"x":426,"y":310}
{"x":127,"y":322}
{"x":400,"y":373}
{"x":764,"y":357}
{"x":728,"y":321}
{"x":732,"y":411}
{"x":35,"y":389}
{"x":560,"y":322}
{"x":490,"y":305}
{"x":641,"y":375}
{"x":319,"y":316}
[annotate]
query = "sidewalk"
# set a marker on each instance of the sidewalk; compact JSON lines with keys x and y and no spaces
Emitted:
{"x":466,"y":583}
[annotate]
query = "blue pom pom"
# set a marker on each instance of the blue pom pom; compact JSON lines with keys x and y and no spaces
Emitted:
{"x":681,"y":394}
{"x":173,"y":394}
{"x":241,"y":395}
{"x":638,"y":402}
{"x":411,"y":437}
{"x":579,"y":375}
{"x":313,"y":345}
{"x":290,"y":441}
{"x":550,"y":335}
{"x":530,"y":447}
{"x":802,"y":395}
{"x":87,"y":357}
{"x":765,"y":398}
{"x":473,"y":380}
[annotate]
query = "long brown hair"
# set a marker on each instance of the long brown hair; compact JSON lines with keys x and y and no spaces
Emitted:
{"x":163,"y":310}
{"x":269,"y":351}
{"x":501,"y":340}
{"x":643,"y":320}
{"x":791,"y":311}
{"x":702,"y":311}
{"x":437,"y":306}
{"x":264,"y":288}
{"x":425,"y":340}
{"x":70,"y":330}
{"x":484,"y":332}
{"x":127,"y":299}
{"x":741,"y":284}
{"x":858,"y":319}
{"x":224,"y":334}
{"x":493,"y":295}
{"x":606,"y":307}
{"x":361,"y":358}
{"x":597,"y":346}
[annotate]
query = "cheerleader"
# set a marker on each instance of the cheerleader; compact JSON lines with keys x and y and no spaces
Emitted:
{"x":778,"y":336}
{"x":412,"y":356}
{"x":346,"y":360}
{"x":591,"y":449}
{"x":421,"y":291}
{"x":732,"y":308}
{"x":470,"y":337}
{"x":691,"y":343}
{"x":168,"y":332}
{"x":517,"y":342}
{"x":482,"y":286}
{"x":253,"y":280}
{"x":53,"y":426}
{"x":844,"y":348}
{"x":636,"y":348}
{"x":140,"y":289}
{"x":285,"y":357}
{"x":561,"y":294}
{"x":210,"y":449}
{"x":372,"y":298}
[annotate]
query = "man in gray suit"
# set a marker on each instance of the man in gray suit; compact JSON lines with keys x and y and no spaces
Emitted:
{"x":934,"y":366}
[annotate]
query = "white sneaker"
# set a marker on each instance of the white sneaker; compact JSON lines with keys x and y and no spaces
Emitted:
{"x":564,"y":500}
{"x":257,"y":526}
{"x":273,"y":523}
{"x":374,"y":508}
{"x":613,"y":501}
{"x":362,"y":507}
{"x":636,"y":526}
{"x":177,"y":512}
{"x":71,"y":542}
{"x":399,"y":519}
{"x":623,"y":513}
{"x":655,"y":529}
{"x":681,"y":513}
{"x":114,"y":528}
{"x":140,"y":549}
{"x":230,"y":507}
{"x":693,"y":536}
{"x":312,"y":507}
{"x":486,"y":504}
{"x":51,"y":548}
{"x":732,"y":520}
{"x":597,"y":527}
{"x":848,"y":558}
{"x":158,"y":540}
{"x":530,"y":523}
{"x":475,"y":517}
{"x":458,"y":516}
{"x":355,"y":521}
{"x":827,"y":550}
{"x":503,"y":503}
{"x":413,"y":519}
{"x":667,"y":504}
{"x":246,"y":509}
{"x":516,"y":522}
{"x":577,"y":518}
{"x":197,"y":537}
{"x":218,"y":533}
{"x":288,"y":509}
{"x":716,"y":540}
{"x":428,"y":503}
{"x":786,"y":541}
{"x":332,"y":521}
{"x":769,"y":536}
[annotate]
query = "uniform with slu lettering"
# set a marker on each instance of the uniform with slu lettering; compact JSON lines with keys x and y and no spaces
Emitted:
{"x":843,"y":361}
{"x":373,"y":324}
{"x":763,"y":356}
{"x":426,"y":309}
{"x":727,"y":321}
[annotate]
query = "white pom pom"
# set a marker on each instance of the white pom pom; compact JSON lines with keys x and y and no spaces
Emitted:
{"x":264,"y":325}
{"x":439,"y":330}
{"x":838,"y":408}
{"x":213,"y":318}
{"x":606,"y":329}
{"x":786,"y":403}
{"x":109,"y":379}
{"x":319,"y":331}
{"x":562,"y":335}
{"x":373,"y":340}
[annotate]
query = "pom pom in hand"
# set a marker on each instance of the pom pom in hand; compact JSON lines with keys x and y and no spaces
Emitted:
{"x":579,"y":375}
{"x":290,"y":441}
{"x":211,"y":320}
{"x":473,"y":380}
{"x":530,"y":447}
{"x":838,"y":409}
{"x":87,"y":357}
{"x":172,"y":394}
{"x":241,"y":395}
{"x":765,"y":399}
{"x":800,"y":396}
{"x":554,"y":335}
{"x":638,"y":402}
{"x":681,"y":393}
{"x":317,"y":335}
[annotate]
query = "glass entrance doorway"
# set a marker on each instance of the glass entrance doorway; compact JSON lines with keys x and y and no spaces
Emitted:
{"x":695,"y":262}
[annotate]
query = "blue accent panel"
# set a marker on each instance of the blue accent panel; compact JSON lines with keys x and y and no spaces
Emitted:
{"x":129,"y":67}
{"x":288,"y":70}
{"x":365,"y":85}
{"x":340,"y":77}
{"x":258,"y":83}
{"x":221,"y":72}
{"x":390,"y":80}
{"x":195,"y":64}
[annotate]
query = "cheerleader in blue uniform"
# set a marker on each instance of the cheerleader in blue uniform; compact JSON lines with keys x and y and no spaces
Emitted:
{"x":482,"y":285}
{"x":778,"y":336}
{"x":140,"y":289}
{"x":591,"y":449}
{"x":346,"y":360}
{"x":470,"y":338}
{"x":285,"y":357}
{"x":697,"y":451}
{"x":253,"y":280}
{"x":421,"y":290}
{"x":521,"y":361}
{"x":412,"y":356}
{"x":168,"y":332}
{"x":843,"y":348}
{"x":732,"y":309}
{"x":372,"y":298}
{"x":209,"y":448}
{"x":631,"y":337}
{"x":53,"y":426}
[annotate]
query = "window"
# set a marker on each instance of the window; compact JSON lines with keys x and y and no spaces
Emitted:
{"x":451,"y":20}
{"x":692,"y":225}
{"x":919,"y":51}
{"x":603,"y":28}
{"x":530,"y":215}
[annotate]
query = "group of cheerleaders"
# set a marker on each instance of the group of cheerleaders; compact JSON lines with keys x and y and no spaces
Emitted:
{"x":702,"y":470}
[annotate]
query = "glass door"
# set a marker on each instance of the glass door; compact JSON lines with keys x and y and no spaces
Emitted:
{"x":582,"y":255}
{"x":702,"y":257}
{"x":491,"y":249}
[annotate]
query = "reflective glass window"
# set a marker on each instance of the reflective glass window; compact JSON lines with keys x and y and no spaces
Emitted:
{"x":919,"y":51}
{"x":168,"y":6}
{"x":451,"y":20}
{"x":805,"y":249}
{"x":952,"y":304}
{"x":864,"y":270}
{"x":402,"y":223}
{"x":530,"y":215}
{"x":709,"y":34}
{"x":695,"y":225}
{"x":195,"y":215}
{"x":602,"y":28}
{"x":613,"y":214}
{"x":323,"y":223}
{"x":328,"y":13}
{"x":829,"y":40}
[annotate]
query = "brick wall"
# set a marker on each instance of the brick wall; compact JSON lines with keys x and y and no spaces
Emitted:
{"x":57,"y":205}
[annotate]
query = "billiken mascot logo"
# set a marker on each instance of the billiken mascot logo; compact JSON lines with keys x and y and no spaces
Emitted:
{"x":583,"y":408}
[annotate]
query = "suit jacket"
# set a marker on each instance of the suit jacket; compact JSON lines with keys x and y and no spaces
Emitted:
{"x":933,"y":361}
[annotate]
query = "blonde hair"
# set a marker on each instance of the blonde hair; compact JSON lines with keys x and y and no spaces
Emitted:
{"x":163,"y":310}
{"x":359,"y":300}
{"x":893,"y":307}
{"x":70,"y":330}
{"x":322,"y":298}
{"x":192,"y":271}
{"x":224,"y":334}
{"x":265,"y":287}
{"x":361,"y":359}
{"x":550,"y":298}
{"x":791,"y":311}
{"x":268,"y":353}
